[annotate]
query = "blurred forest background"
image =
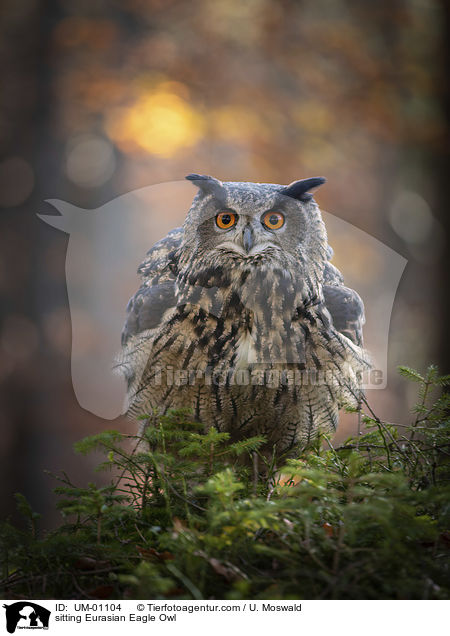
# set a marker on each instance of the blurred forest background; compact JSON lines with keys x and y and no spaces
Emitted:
{"x":103,"y":97}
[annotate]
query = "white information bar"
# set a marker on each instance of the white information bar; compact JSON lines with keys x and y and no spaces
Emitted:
{"x":327,"y":618}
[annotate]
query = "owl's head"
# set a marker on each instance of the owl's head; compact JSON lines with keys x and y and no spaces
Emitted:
{"x":255,"y":223}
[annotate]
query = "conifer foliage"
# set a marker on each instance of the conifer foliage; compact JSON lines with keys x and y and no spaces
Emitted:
{"x":186,"y":517}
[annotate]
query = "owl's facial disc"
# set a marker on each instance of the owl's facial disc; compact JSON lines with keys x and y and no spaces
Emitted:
{"x":247,"y":237}
{"x":256,"y":224}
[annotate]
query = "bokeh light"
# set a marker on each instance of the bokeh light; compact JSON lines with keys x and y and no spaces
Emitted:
{"x":16,"y":181}
{"x":90,"y":161}
{"x":411,"y":217}
{"x":159,"y":122}
{"x":19,"y":337}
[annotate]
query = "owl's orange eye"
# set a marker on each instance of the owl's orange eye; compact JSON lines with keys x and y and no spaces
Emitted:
{"x":225,"y":220}
{"x":273,"y":220}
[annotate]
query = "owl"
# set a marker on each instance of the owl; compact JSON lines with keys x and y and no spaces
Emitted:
{"x":242,"y":318}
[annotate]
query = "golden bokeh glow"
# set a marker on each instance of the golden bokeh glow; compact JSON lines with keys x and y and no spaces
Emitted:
{"x":161,"y":123}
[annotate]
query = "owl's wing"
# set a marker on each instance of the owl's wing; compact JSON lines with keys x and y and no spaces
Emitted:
{"x":331,"y":275}
{"x":344,"y":304}
{"x":157,"y":292}
{"x":347,"y":311}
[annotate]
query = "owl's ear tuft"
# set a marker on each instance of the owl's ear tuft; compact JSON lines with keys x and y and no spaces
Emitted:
{"x":299,"y":189}
{"x":207,"y":184}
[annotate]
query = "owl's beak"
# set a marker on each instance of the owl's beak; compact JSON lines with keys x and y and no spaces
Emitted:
{"x":248,"y":238}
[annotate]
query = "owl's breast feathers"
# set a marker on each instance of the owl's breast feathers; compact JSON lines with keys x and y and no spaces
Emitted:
{"x":195,"y":316}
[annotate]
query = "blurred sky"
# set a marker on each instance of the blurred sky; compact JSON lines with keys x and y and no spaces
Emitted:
{"x":101,"y":98}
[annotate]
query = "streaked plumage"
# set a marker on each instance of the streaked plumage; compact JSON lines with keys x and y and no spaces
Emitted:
{"x":251,"y":327}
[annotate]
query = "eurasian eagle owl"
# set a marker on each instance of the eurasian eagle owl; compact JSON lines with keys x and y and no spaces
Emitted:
{"x":242,"y":317}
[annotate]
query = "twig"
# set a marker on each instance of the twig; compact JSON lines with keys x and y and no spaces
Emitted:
{"x":255,"y":472}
